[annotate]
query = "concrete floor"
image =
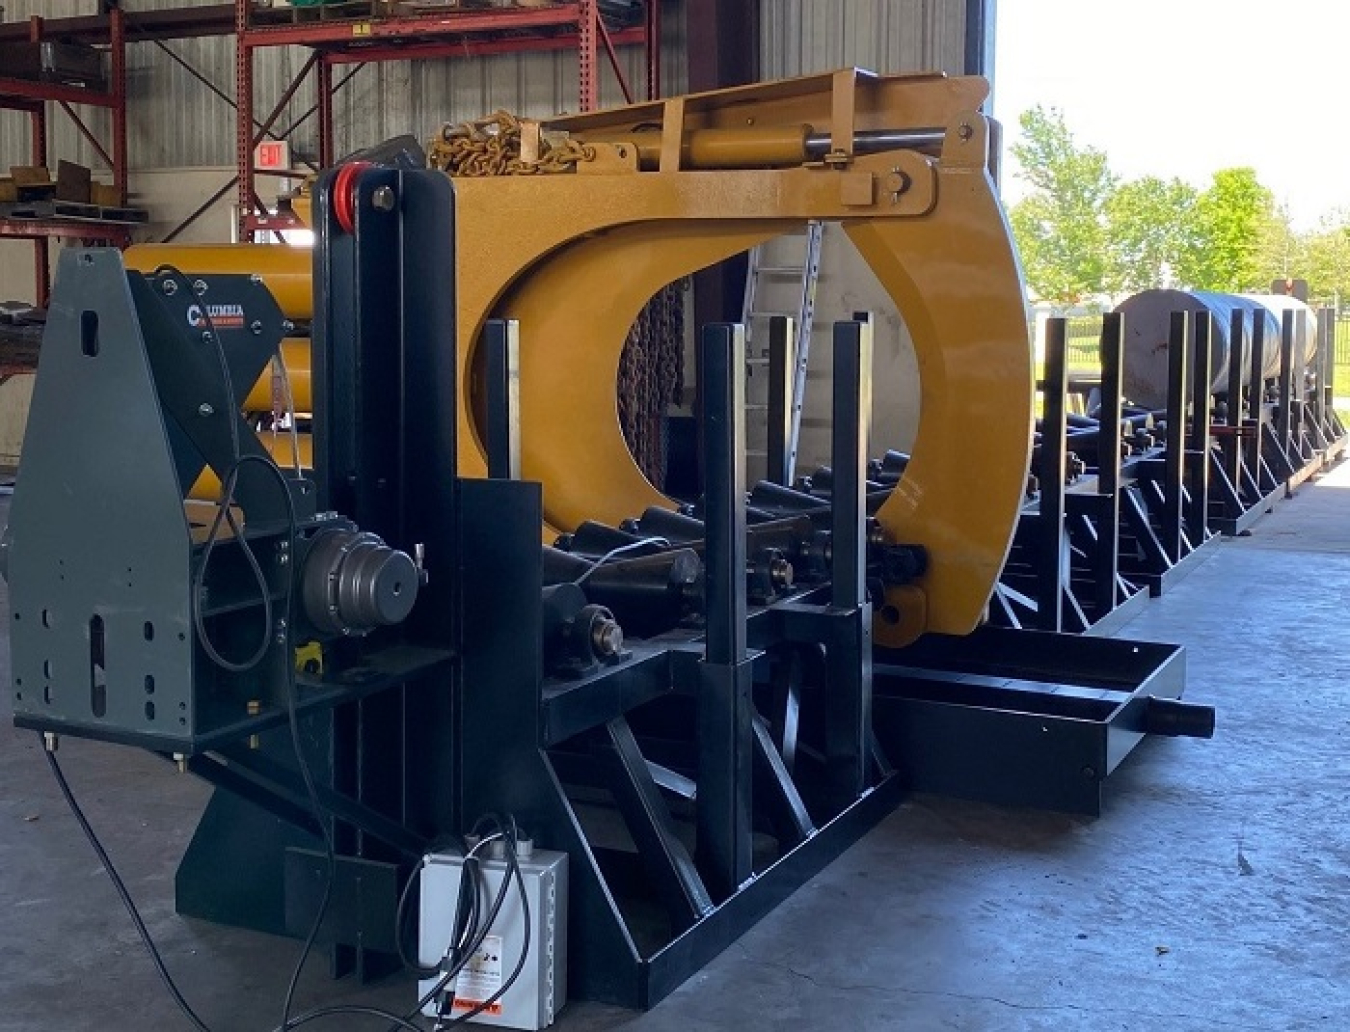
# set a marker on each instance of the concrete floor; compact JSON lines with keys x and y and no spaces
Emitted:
{"x":1213,"y":894}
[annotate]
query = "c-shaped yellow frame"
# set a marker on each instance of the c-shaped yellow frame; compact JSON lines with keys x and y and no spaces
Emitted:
{"x":574,"y":258}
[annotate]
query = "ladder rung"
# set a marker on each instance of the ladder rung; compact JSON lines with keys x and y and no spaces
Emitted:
{"x":798,"y":269}
{"x":756,"y":408}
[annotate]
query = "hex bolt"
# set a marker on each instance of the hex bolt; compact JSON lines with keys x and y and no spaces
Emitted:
{"x":781,"y":574}
{"x":199,"y":287}
{"x":257,"y":327}
{"x":606,"y":638}
{"x":181,"y":760}
{"x":170,"y":287}
{"x":51,"y":741}
{"x":966,"y":131}
{"x":205,"y":409}
{"x":383,"y":199}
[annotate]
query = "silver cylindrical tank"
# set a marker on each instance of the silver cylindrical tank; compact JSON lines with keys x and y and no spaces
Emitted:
{"x":1148,"y":323}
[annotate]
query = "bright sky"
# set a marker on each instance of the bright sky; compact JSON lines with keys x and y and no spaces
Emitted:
{"x":1186,"y":87}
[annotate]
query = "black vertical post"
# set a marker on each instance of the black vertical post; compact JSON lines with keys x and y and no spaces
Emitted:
{"x":1232,"y":453}
{"x":1327,"y":379}
{"x":848,"y":727}
{"x":1256,"y":398}
{"x":782,"y":363}
{"x":1174,"y":466}
{"x":1298,"y":389}
{"x":1197,"y":516}
{"x":501,"y":358}
{"x":1286,"y":399}
{"x":1054,"y":389}
{"x":852,"y":410}
{"x":724,"y":705}
{"x":1326,"y":347}
{"x":1109,"y":415}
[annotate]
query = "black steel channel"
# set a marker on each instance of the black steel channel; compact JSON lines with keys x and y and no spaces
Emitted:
{"x":782,"y":363}
{"x":1202,"y":401}
{"x":1174,"y":466}
{"x":724,"y":705}
{"x":1285,"y":411}
{"x":1237,"y":333}
{"x":1326,"y":373}
{"x":1054,"y":389}
{"x":848,"y":721}
{"x":664,"y":856}
{"x":1256,"y":391}
{"x":852,"y":389}
{"x":1107,"y":566}
{"x":501,"y":347}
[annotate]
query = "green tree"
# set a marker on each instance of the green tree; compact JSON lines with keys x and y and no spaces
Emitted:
{"x":1322,"y":258}
{"x":1060,"y":227}
{"x":1233,"y":216}
{"x":1151,"y":232}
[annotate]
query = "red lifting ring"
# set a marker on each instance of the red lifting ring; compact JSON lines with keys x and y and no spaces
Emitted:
{"x":344,"y":194}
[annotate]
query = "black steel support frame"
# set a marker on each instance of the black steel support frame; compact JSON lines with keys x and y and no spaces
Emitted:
{"x":380,"y":395}
{"x":1064,"y":573}
{"x":736,"y":771}
{"x":419,"y":759}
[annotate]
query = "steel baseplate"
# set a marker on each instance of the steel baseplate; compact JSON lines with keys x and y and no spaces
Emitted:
{"x":1027,"y":718}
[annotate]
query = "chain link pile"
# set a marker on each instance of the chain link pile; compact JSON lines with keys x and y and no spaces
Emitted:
{"x":491,"y":147}
{"x":651,"y":368}
{"x":651,"y":379}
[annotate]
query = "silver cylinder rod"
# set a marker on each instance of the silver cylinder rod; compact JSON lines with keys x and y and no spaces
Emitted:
{"x":873,"y":141}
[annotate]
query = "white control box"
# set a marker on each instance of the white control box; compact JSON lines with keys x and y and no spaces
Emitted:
{"x":539,"y":993}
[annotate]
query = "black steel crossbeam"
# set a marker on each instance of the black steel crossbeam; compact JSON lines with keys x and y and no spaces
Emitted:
{"x":667,"y":862}
{"x":280,"y":791}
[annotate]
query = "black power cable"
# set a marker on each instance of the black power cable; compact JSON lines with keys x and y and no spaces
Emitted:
{"x":122,"y":892}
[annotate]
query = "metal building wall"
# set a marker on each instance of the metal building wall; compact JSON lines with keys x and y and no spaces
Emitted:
{"x":798,"y":37}
{"x":174,"y":121}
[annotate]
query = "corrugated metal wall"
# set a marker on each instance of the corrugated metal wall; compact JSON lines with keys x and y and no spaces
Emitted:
{"x":798,"y":37}
{"x":175,"y":121}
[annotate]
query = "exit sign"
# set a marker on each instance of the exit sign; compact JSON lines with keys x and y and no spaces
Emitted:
{"x":273,"y":156}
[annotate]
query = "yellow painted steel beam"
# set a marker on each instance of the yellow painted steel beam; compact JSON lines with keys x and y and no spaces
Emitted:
{"x":206,"y":488}
{"x":265,"y":394}
{"x":587,"y":249}
{"x":288,"y":272}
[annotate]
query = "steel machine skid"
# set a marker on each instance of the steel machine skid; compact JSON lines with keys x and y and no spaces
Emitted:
{"x":687,"y":700}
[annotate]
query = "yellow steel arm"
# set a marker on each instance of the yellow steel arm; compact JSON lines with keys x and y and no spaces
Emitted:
{"x":574,"y":257}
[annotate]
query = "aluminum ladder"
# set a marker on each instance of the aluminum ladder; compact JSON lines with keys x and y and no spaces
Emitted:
{"x":767,"y":281}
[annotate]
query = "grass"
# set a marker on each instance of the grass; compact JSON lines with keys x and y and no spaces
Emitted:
{"x":1084,"y":332}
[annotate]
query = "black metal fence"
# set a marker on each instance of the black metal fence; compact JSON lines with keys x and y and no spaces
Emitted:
{"x":1085,"y":331}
